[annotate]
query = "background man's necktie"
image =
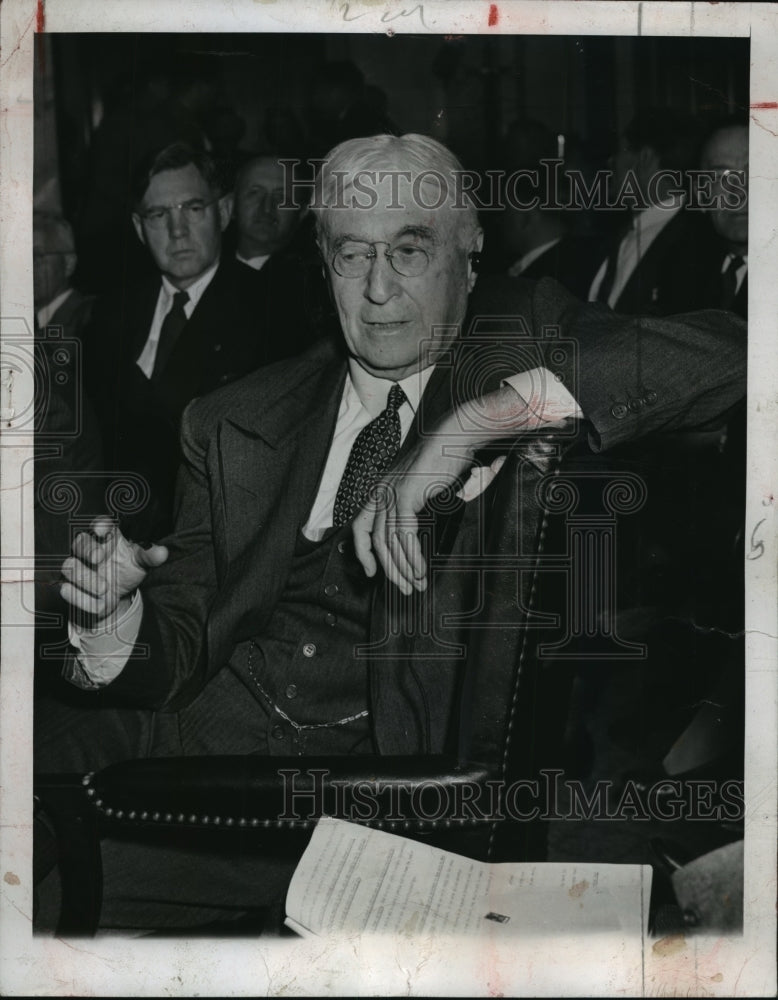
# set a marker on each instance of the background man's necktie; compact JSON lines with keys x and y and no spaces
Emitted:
{"x":172,"y":326}
{"x":371,"y":454}
{"x":729,"y":281}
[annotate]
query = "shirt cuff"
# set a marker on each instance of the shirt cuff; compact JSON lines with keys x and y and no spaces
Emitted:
{"x":102,"y":653}
{"x":546,"y":398}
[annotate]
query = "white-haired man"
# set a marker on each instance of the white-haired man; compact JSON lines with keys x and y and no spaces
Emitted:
{"x":255,"y":609}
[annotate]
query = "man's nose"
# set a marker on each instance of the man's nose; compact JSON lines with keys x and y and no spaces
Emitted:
{"x":177,"y":224}
{"x":381,"y":279}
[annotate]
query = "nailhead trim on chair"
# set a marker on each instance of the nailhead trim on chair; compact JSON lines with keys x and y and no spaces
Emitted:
{"x":143,"y":816}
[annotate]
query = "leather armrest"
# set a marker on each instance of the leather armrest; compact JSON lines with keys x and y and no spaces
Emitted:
{"x":393,"y":792}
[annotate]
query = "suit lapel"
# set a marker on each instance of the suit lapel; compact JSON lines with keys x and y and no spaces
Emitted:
{"x":141,"y":312}
{"x":270,"y":465}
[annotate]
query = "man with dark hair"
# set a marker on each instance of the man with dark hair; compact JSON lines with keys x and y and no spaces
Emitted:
{"x":157,"y":345}
{"x":648,"y":182}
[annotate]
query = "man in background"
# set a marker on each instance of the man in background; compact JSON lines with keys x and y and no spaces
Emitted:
{"x":639,"y":273}
{"x":277,"y":254}
{"x":725,"y":154}
{"x":157,"y":344}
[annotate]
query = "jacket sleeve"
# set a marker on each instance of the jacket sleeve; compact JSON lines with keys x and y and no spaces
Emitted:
{"x":638,"y":375}
{"x":169,"y":654}
{"x":630,"y":375}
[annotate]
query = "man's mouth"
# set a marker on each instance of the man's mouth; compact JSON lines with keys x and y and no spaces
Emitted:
{"x":385,"y":325}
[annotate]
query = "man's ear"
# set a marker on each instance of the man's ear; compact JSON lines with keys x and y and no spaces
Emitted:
{"x":225,"y":210}
{"x":136,"y":221}
{"x":70,"y":264}
{"x":476,"y":245}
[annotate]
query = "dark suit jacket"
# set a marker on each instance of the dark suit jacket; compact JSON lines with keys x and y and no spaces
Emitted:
{"x":140,"y":418}
{"x":657,"y":287}
{"x":253,"y":455}
{"x":699,"y":283}
{"x":573,"y":262}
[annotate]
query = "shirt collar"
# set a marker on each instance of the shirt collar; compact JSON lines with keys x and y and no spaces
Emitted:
{"x":255,"y":263}
{"x":45,"y":313}
{"x":196,"y":289}
{"x":657,"y":216}
{"x":729,"y":260}
{"x":530,"y":257}
{"x":373,"y":391}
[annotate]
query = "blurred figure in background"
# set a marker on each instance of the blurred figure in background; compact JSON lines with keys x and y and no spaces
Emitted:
{"x":539,"y":241}
{"x":277,"y":253}
{"x":342,"y":107}
{"x":723,"y":283}
{"x":639,"y":273}
{"x":67,"y":440}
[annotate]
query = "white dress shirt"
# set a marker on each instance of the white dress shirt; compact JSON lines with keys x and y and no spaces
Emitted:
{"x":255,"y":263}
{"x":164,"y":301}
{"x":740,"y":274}
{"x":521,"y":265}
{"x":646,"y":226}
{"x":45,"y":313}
{"x":103,"y":652}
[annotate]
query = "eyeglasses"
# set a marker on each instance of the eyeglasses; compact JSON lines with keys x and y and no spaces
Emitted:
{"x":192,"y":211}
{"x":354,"y":259}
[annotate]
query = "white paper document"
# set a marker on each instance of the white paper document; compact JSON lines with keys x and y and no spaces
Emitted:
{"x":354,"y":880}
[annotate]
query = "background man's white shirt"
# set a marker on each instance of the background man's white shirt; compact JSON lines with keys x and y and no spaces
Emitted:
{"x":164,"y":301}
{"x":646,"y":226}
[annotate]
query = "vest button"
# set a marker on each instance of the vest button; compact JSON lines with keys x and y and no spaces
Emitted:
{"x":331,"y":589}
{"x":278,"y":733}
{"x":291,"y":691}
{"x":332,"y":619}
{"x":342,"y":546}
{"x":309,"y":649}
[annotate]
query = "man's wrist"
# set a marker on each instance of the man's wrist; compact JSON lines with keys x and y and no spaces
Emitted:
{"x":485,"y":419}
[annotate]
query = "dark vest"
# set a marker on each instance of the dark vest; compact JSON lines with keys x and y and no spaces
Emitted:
{"x":302,"y":668}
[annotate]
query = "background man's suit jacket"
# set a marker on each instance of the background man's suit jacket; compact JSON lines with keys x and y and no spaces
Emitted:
{"x":573,"y":262}
{"x":657,"y":287}
{"x":253,"y":455}
{"x":140,"y":418}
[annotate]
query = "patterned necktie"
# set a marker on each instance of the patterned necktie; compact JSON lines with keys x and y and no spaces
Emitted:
{"x":173,"y":324}
{"x":371,"y":454}
{"x":729,"y":281}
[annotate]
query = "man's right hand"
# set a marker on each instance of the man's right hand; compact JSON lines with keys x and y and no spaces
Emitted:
{"x":105,"y":569}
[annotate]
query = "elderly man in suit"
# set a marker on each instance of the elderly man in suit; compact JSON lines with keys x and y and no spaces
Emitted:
{"x":250,"y":614}
{"x":262,"y":625}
